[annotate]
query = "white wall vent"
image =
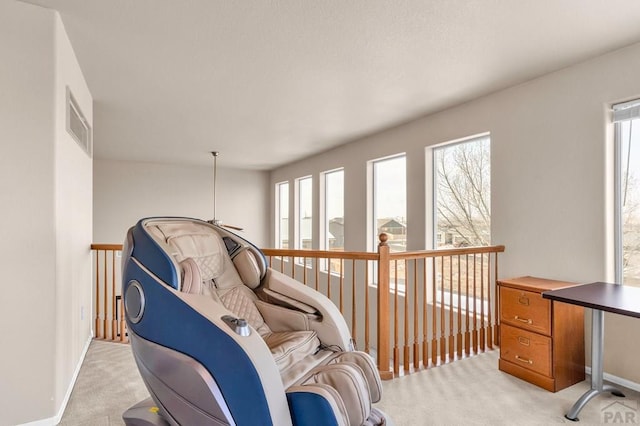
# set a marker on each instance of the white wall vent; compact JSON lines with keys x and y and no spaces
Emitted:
{"x":77,"y":125}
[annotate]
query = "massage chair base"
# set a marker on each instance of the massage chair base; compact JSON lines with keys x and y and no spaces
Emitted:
{"x":144,"y":413}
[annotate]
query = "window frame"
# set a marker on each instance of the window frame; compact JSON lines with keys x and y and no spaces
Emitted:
{"x":324,"y":217}
{"x":617,"y":197}
{"x":324,"y":231}
{"x":298,"y":212}
{"x":372,"y":233}
{"x":279,"y":211}
{"x":624,"y":111}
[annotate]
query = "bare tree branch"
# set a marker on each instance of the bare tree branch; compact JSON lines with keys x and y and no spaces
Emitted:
{"x":463,"y":191}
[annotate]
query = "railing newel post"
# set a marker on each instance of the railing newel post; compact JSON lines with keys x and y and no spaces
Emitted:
{"x":383,"y":326}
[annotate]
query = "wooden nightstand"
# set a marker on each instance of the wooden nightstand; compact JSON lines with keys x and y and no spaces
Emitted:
{"x":541,"y":341}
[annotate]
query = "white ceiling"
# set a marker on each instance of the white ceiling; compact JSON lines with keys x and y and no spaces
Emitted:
{"x":269,"y":82}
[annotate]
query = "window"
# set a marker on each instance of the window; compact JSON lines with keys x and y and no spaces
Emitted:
{"x":627,"y":195}
{"x":390,"y":201}
{"x":333,"y":216}
{"x":334,"y":210}
{"x":282,"y":214}
{"x":462,"y":192}
{"x":305,"y":213}
{"x":462,"y":214}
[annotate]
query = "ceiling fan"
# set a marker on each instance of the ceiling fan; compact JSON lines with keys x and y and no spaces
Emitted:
{"x":215,"y":221}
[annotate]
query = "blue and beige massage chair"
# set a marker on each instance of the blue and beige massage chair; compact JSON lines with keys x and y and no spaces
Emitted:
{"x":221,"y":339}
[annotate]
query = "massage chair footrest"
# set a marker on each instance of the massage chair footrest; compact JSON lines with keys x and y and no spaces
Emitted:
{"x":346,"y":382}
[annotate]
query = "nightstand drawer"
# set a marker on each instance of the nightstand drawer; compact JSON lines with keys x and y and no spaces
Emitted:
{"x":528,"y":350}
{"x":525,"y":309}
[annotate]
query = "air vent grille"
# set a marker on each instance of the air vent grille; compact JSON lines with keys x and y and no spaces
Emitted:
{"x":77,"y":125}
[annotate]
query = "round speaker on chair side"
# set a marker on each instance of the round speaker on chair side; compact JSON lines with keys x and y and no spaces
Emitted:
{"x":134,"y":301}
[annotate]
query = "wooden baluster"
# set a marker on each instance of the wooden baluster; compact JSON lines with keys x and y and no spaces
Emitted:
{"x":467,"y":334}
{"x":434,"y":319}
{"x":106,"y":297}
{"x":304,"y":274}
{"x":97,"y":313}
{"x":114,"y":321}
{"x":293,"y":267}
{"x":489,"y":318}
{"x":406,"y":349}
{"x":367,"y":347}
{"x":496,"y":335}
{"x":396,"y":349}
{"x":123,"y":323}
{"x":459,"y":323}
{"x":317,"y":270}
{"x":416,"y":314}
{"x":443,"y":339}
{"x":329,"y":279}
{"x":482,"y":322}
{"x":353,"y":298}
{"x":425,"y":313}
{"x":383,"y":308}
{"x":451,"y":334}
{"x":342,"y":286}
{"x":475,"y":315}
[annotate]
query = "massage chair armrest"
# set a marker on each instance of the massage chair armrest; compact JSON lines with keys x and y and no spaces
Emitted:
{"x":280,"y":318}
{"x":331,"y":326}
{"x":286,"y":301}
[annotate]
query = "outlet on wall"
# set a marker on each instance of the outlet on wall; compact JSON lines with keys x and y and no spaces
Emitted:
{"x":81,"y":313}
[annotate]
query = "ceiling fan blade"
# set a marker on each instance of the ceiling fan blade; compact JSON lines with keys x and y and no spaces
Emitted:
{"x":236,"y":228}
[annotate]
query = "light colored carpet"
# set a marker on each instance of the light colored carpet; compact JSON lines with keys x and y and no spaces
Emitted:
{"x":108,"y":384}
{"x":471,"y":391}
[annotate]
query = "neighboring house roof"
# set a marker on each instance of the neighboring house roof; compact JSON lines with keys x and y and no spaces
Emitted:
{"x":390,"y":223}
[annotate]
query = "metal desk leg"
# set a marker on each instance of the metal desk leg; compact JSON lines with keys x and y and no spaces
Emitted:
{"x":597,"y":343}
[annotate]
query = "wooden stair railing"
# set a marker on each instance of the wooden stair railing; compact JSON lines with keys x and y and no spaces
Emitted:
{"x":109,"y":308}
{"x":444,"y":300}
{"x":410,"y":310}
{"x":431,"y":306}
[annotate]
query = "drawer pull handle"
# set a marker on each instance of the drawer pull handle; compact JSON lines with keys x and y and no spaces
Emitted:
{"x":523,"y":300}
{"x":525,"y":360}
{"x":523,"y":341}
{"x":524,"y":320}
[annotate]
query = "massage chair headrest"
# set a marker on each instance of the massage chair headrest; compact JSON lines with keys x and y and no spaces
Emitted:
{"x":215,"y":255}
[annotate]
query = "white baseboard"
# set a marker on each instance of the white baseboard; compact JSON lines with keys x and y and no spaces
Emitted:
{"x":617,"y":380}
{"x":58,"y":417}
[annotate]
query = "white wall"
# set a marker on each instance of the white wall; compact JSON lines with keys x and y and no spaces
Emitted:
{"x":126,"y":192}
{"x":27,"y":254}
{"x":73,"y":177}
{"x":551,"y":177}
{"x":44,"y":256}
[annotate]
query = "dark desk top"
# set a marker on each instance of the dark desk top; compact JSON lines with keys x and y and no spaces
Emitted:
{"x":619,"y":299}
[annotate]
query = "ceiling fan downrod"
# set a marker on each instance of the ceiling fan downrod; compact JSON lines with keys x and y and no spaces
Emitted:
{"x":215,"y":221}
{"x":215,"y":171}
